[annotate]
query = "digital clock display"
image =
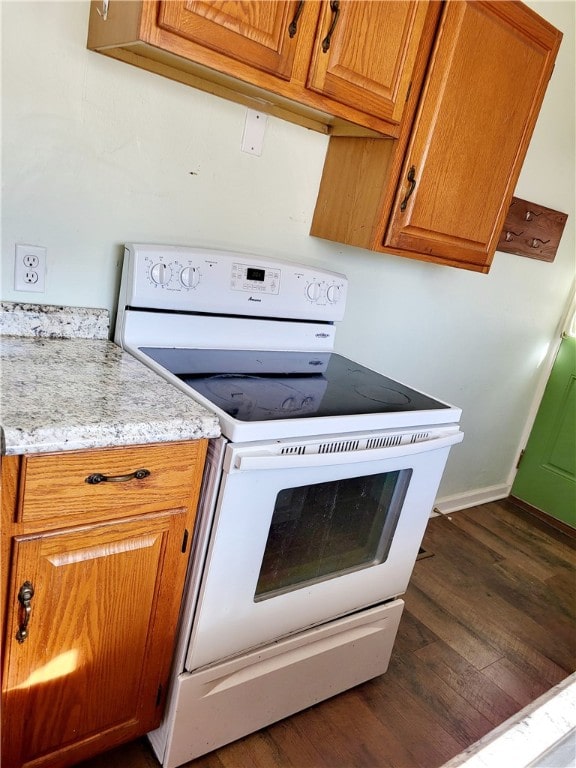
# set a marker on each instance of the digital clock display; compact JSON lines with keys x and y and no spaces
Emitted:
{"x":255,"y":274}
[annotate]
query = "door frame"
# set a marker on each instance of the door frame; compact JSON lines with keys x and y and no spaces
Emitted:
{"x":568,"y":318}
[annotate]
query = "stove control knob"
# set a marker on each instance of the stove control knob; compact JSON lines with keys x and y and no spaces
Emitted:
{"x":334,"y":293}
{"x":161,"y":273}
{"x":190,"y":277}
{"x":313,"y":291}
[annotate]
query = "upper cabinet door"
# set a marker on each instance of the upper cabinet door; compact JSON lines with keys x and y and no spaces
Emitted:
{"x":255,"y":33}
{"x":365,"y":52}
{"x":486,"y":81}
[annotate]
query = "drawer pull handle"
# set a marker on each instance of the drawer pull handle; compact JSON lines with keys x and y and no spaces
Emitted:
{"x":412,"y":180}
{"x":335,"y":8}
{"x":293,"y":28}
{"x":96,"y":478}
{"x":25,"y":595}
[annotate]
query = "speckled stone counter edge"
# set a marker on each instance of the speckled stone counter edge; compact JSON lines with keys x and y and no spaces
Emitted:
{"x":128,"y":421}
{"x":530,"y":737}
{"x":53,"y":322}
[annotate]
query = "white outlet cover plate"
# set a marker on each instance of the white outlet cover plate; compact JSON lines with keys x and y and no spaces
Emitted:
{"x":254,"y":130}
{"x":30,"y":268}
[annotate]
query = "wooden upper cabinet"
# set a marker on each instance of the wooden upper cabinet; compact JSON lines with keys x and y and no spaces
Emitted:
{"x":256,"y":33}
{"x":489,"y":70}
{"x":364,"y":53}
{"x":440,"y":192}
{"x":273,"y":54}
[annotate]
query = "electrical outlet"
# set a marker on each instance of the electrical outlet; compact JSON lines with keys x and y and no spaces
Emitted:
{"x":30,"y":268}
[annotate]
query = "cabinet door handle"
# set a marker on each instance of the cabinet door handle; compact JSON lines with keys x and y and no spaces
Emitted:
{"x":335,"y":8}
{"x":96,"y":478}
{"x":293,"y":28}
{"x":412,"y":181}
{"x":25,"y":595}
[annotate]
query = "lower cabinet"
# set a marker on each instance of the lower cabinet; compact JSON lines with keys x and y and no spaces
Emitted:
{"x":92,"y":607}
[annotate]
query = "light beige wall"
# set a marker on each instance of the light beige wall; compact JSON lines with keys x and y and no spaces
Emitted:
{"x":97,"y":153}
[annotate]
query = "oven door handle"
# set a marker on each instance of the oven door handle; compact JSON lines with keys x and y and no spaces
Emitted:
{"x":248,"y":462}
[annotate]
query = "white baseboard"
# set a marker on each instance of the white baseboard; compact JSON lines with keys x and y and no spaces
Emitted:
{"x":449,"y":504}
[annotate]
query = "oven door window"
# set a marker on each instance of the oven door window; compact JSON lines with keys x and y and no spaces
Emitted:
{"x":325,"y":530}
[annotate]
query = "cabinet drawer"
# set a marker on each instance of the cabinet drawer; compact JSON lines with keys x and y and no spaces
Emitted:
{"x":56,"y":485}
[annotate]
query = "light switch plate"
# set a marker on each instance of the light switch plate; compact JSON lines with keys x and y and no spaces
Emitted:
{"x":254,"y":130}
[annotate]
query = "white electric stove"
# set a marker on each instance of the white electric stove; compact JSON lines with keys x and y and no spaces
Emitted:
{"x":315,"y":499}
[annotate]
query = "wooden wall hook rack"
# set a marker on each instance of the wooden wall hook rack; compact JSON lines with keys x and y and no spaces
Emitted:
{"x":532,"y":230}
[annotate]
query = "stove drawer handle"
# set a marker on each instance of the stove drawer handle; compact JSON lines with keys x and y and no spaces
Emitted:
{"x":248,"y":462}
{"x":97,"y":477}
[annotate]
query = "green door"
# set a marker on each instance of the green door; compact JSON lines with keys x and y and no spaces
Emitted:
{"x":546,"y":478}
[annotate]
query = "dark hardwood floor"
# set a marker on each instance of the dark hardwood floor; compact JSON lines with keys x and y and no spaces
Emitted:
{"x":488,"y":627}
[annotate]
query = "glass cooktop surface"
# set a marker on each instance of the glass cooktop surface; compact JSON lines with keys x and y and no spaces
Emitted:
{"x":264,"y":386}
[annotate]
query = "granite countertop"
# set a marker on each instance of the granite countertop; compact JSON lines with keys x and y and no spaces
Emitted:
{"x":64,"y":386}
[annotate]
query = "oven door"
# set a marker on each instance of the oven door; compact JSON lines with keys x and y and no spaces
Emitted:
{"x":306,"y":531}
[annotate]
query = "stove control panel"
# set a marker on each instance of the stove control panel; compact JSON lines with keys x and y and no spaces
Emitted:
{"x":224,"y":282}
{"x":258,"y":279}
